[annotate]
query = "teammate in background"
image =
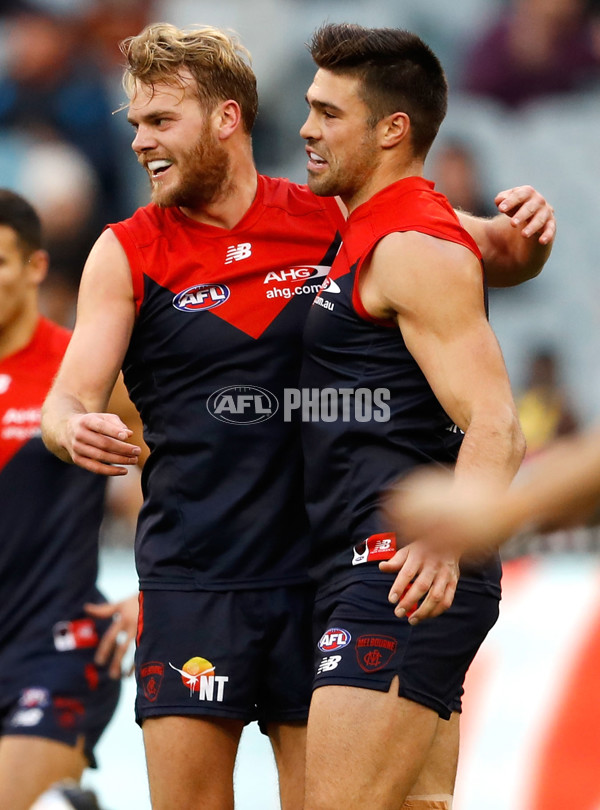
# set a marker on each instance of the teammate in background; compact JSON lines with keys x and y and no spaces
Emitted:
{"x":402,"y":312}
{"x":55,"y":699}
{"x":201,"y":296}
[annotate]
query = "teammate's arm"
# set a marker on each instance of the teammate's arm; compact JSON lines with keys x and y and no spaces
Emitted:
{"x":435,"y":293}
{"x":516,"y":244}
{"x":75,"y":425}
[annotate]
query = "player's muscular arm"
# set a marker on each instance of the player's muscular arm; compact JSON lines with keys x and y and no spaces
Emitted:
{"x":74,"y":424}
{"x":517,"y":243}
{"x":435,"y":293}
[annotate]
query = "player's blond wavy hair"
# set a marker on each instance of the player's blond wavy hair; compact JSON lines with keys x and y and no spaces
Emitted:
{"x":217,"y":60}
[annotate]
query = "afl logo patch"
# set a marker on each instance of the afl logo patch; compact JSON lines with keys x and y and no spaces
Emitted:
{"x":334,"y":639}
{"x":242,"y":404}
{"x":201,"y":297}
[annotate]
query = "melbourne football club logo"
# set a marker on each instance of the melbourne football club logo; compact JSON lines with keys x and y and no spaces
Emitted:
{"x":242,"y":404}
{"x":201,"y":297}
{"x":374,"y":652}
{"x":198,"y":675}
{"x":151,"y":677}
{"x":334,"y":639}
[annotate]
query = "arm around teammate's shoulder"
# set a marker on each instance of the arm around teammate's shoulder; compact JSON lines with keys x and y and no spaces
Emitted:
{"x":74,"y":424}
{"x":517,"y":243}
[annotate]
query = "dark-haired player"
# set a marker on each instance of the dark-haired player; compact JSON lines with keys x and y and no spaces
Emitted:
{"x":403,"y":312}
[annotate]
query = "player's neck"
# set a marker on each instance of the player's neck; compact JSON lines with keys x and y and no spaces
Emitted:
{"x":18,"y":334}
{"x":388,"y":172}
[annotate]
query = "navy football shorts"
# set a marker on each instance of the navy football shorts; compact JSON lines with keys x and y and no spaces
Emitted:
{"x":243,"y":654}
{"x":360,"y":642}
{"x":55,"y":690}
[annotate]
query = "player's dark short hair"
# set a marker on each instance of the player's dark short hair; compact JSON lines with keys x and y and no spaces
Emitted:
{"x":398,"y":72}
{"x":17,"y":213}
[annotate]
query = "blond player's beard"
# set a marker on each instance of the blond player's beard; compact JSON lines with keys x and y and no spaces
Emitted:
{"x":203,"y":171}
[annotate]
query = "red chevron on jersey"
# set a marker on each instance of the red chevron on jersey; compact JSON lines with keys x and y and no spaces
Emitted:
{"x":25,"y":378}
{"x":242,"y":275}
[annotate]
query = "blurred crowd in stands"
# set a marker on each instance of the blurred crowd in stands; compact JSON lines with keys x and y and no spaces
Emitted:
{"x":525,"y":94}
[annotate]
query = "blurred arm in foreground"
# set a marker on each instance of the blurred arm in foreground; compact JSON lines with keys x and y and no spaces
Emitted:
{"x":557,"y":490}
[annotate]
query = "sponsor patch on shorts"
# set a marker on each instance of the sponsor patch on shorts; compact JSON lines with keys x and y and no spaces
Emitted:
{"x":151,"y":677}
{"x":375,"y":652}
{"x":375,"y":548}
{"x":334,"y":639}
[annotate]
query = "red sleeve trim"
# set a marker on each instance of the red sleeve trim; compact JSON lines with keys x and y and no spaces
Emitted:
{"x":388,"y":322}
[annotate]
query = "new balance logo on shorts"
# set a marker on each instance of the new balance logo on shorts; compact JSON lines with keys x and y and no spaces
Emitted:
{"x":329,"y":663}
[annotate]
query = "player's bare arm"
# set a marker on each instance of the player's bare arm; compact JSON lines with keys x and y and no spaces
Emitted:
{"x":517,"y":243}
{"x":436,"y":295}
{"x":75,"y":425}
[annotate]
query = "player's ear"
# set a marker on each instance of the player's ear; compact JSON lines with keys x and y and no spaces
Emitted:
{"x":228,"y":116}
{"x":394,"y":129}
{"x":37,"y":266}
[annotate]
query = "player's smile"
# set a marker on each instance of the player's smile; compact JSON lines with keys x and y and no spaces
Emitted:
{"x":158,"y":167}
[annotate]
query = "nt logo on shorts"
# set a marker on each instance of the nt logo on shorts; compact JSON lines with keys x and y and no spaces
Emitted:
{"x":198,"y":675}
{"x":374,"y":652}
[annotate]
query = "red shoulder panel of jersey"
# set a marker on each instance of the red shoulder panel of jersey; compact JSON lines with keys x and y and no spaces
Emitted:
{"x":25,"y":378}
{"x":410,"y":204}
{"x":284,"y":238}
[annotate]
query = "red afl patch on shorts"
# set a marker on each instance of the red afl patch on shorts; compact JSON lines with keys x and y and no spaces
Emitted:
{"x":374,"y":652}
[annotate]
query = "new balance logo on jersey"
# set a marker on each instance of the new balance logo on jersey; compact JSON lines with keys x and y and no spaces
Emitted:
{"x":236,"y":253}
{"x":5,"y":381}
{"x":329,"y":663}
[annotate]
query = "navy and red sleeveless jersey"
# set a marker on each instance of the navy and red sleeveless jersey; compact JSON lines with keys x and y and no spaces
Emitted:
{"x":393,"y":422}
{"x":50,"y":512}
{"x":216,"y":343}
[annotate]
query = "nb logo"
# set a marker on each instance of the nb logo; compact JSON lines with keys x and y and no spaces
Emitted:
{"x":237,"y":252}
{"x":327,"y":664}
